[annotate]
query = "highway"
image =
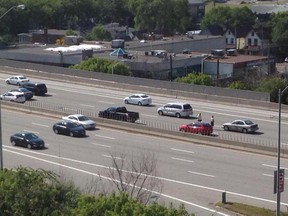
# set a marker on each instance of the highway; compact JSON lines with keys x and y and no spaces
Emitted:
{"x":193,"y":174}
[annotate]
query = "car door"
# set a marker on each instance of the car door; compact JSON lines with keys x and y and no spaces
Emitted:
{"x":167,"y":109}
{"x":240,"y":126}
{"x":21,"y":140}
{"x":233,"y":126}
{"x":133,"y":99}
{"x":62,"y":128}
{"x":13,"y":80}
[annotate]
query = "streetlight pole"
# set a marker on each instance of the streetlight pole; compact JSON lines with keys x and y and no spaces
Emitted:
{"x":280,"y":94}
{"x":1,"y":145}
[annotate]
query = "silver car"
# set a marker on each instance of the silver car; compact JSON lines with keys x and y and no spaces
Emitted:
{"x":244,"y":126}
{"x":139,"y":99}
{"x":177,"y":109}
{"x":86,"y":122}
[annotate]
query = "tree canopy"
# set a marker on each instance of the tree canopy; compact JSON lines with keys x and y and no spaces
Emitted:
{"x":197,"y":79}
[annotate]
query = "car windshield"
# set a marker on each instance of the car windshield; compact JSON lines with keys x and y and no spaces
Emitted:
{"x":248,"y":122}
{"x":22,"y":77}
{"x":187,"y":106}
{"x":83,"y":118}
{"x":23,"y":90}
{"x":30,"y":136}
{"x":144,"y":96}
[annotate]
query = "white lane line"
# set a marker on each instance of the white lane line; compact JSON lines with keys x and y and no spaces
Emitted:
{"x":106,"y":167}
{"x":110,"y":179}
{"x":202,"y":174}
{"x":180,"y":159}
{"x":31,"y":131}
{"x":109,"y":156}
{"x":269,"y":175}
{"x":87,"y":105}
{"x":106,"y":137}
{"x":182,"y":150}
{"x":152,"y":116}
{"x":106,"y":102}
{"x":41,"y":125}
{"x":101,"y":145}
{"x":273,"y":166}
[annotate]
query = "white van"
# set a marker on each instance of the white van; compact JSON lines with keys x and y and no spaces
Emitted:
{"x":177,"y":109}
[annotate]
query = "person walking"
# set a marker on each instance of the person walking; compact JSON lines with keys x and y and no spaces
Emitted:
{"x":212,"y":121}
{"x":199,"y":117}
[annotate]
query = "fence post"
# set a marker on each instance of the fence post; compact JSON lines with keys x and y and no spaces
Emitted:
{"x":224,"y":197}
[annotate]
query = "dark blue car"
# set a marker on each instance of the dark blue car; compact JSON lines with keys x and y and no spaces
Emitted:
{"x":69,"y":128}
{"x":27,"y":139}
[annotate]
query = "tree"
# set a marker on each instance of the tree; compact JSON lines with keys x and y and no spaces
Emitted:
{"x":272,"y":85}
{"x":279,"y":21}
{"x":197,"y":79}
{"x":99,"y":33}
{"x":136,"y":176}
{"x":35,"y":192}
{"x":238,"y":85}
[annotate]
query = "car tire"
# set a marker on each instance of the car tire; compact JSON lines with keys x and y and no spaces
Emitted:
{"x":71,"y":134}
{"x":56,"y":131}
{"x":160,"y":112}
{"x":139,"y":104}
{"x":29,"y":146}
{"x":126,"y":101}
{"x":178,"y":115}
{"x":8,"y":82}
{"x":182,"y":130}
{"x":13,"y":143}
{"x":226,"y":128}
{"x":198,"y":132}
{"x":244,"y":130}
{"x":18,"y":84}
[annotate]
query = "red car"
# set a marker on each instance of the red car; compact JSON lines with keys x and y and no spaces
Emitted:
{"x":203,"y":128}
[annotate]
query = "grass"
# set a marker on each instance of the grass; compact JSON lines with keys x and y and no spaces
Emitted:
{"x":248,"y":210}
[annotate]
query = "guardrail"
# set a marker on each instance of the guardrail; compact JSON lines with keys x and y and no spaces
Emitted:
{"x":151,"y":128}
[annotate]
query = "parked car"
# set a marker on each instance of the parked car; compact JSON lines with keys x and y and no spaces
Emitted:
{"x":86,"y":122}
{"x":203,"y":128}
{"x":27,"y":139}
{"x":139,"y":99}
{"x":36,"y":88}
{"x":13,"y":97}
{"x":177,"y":109}
{"x":17,"y":80}
{"x":244,"y":126}
{"x":69,"y":128}
{"x":119,"y":113}
{"x":28,"y":94}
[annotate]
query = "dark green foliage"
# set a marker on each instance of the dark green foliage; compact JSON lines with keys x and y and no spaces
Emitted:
{"x":70,"y":32}
{"x":197,"y":79}
{"x":272,"y":85}
{"x":34,"y":192}
{"x":104,"y":66}
{"x":238,"y":85}
{"x":99,"y":33}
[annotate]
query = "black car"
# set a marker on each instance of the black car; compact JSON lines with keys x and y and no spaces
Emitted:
{"x":36,"y":88}
{"x":27,"y":139}
{"x":27,"y":93}
{"x":69,"y":128}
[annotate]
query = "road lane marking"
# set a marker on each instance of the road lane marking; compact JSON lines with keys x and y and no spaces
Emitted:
{"x":273,"y":166}
{"x":109,"y":156}
{"x":41,"y":125}
{"x":110,"y":179}
{"x":202,"y":174}
{"x":106,"y":146}
{"x":182,"y":150}
{"x":87,"y":105}
{"x":147,"y":115}
{"x":106,"y":102}
{"x":106,"y":167}
{"x":180,"y":159}
{"x":106,"y":137}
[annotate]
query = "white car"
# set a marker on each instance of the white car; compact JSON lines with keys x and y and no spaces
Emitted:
{"x":17,"y":80}
{"x":86,"y":122}
{"x":139,"y":99}
{"x":18,"y":97}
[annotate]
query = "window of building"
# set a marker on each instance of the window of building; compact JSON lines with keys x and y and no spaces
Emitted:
{"x":252,"y":33}
{"x":255,"y":41}
{"x":232,"y":40}
{"x":249,"y":41}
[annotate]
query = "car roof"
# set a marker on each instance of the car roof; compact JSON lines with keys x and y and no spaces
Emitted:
{"x":141,"y":94}
{"x":16,"y":93}
{"x":76,"y":115}
{"x":179,"y":103}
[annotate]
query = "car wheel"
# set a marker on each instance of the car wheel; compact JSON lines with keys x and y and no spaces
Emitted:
{"x":126,"y":101}
{"x":226,"y":128}
{"x":182,"y":130}
{"x":198,"y":132}
{"x":7,"y":82}
{"x":160,"y":113}
{"x":13,"y":143}
{"x":71,"y":134}
{"x":178,"y":115}
{"x":29,"y":146}
{"x":139,"y":103}
{"x":56,"y":131}
{"x":245,"y":130}
{"x":18,"y":84}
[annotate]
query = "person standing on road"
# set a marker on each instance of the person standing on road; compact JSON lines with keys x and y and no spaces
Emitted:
{"x":212,"y":121}
{"x":199,"y":117}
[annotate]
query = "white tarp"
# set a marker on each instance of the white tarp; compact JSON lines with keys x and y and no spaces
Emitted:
{"x":75,"y":48}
